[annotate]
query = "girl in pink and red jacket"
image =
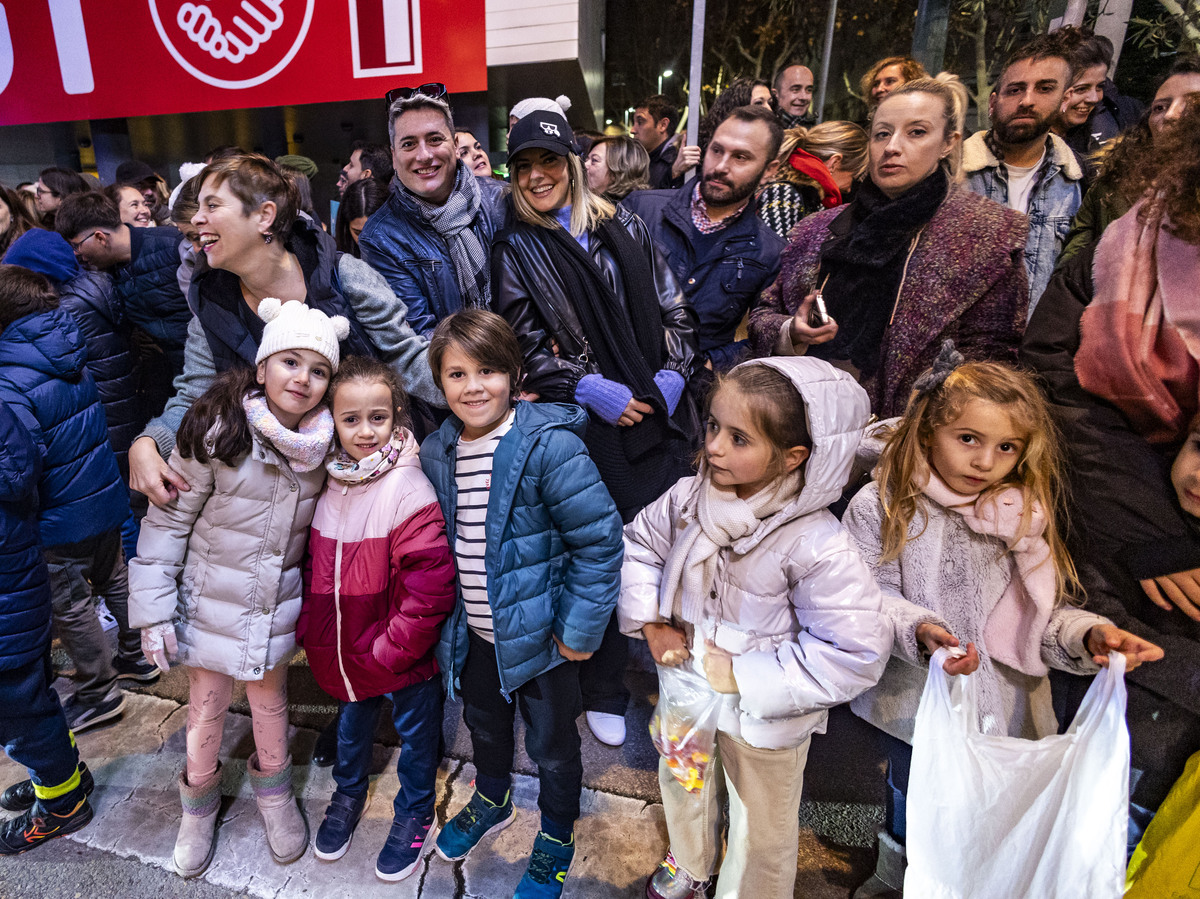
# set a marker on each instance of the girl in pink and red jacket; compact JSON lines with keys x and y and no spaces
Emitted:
{"x":379,"y":582}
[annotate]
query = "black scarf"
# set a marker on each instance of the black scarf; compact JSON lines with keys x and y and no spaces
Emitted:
{"x":864,"y":258}
{"x":627,"y":343}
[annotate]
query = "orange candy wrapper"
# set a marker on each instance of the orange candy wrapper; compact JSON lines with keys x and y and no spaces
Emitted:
{"x":684,"y":725}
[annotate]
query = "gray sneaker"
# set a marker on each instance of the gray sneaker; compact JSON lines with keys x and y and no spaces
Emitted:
{"x":672,"y":882}
{"x":82,"y":717}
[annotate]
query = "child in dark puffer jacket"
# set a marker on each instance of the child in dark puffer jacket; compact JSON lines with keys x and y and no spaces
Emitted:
{"x":81,"y":498}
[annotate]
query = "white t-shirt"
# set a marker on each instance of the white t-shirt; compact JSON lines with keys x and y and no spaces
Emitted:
{"x":1020,"y":184}
{"x":473,"y":477}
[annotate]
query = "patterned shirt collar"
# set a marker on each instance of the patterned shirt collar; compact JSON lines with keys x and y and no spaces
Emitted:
{"x":700,"y":218}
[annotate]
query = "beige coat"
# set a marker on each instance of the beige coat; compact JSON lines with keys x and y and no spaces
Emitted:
{"x":223,"y":561}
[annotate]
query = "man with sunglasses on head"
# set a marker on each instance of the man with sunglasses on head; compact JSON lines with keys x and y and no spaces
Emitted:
{"x":432,"y":239}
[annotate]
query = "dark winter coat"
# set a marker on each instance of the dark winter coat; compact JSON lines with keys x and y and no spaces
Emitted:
{"x":148,"y":289}
{"x":44,"y":379}
{"x":965,"y":281}
{"x":722,"y":285}
{"x":24,"y":581}
{"x":554,"y":544}
{"x":528,"y":292}
{"x":404,"y":248}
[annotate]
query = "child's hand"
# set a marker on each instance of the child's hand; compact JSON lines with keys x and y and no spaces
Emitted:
{"x":934,"y":638}
{"x":159,"y":644}
{"x":718,"y":668}
{"x":1105,"y":637}
{"x":668,"y":644}
{"x":570,"y":654}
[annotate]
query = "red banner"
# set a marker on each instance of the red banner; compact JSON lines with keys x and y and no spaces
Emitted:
{"x":64,"y":60}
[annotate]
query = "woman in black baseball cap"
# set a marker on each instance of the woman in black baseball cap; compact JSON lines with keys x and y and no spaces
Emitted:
{"x":602,"y":324}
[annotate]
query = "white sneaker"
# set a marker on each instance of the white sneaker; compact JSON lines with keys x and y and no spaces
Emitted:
{"x":606,"y":728}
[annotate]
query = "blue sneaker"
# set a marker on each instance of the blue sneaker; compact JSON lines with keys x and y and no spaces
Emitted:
{"x":401,"y":853}
{"x":548,"y":867}
{"x":336,"y":831}
{"x":477,"y":819}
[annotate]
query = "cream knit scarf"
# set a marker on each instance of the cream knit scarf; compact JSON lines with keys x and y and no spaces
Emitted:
{"x":721,"y":520}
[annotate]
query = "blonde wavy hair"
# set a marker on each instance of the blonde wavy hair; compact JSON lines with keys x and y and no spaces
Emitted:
{"x":1039,"y":471}
{"x":953,"y":95}
{"x":588,"y":210}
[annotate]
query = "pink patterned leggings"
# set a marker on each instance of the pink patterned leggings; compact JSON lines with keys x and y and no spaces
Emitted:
{"x":208,"y":702}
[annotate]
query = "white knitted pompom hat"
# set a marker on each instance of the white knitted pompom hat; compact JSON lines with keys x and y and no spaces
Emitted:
{"x":295,"y":326}
{"x":559,"y":105}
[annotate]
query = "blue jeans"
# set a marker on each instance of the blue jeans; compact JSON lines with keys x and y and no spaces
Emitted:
{"x":417,"y":714}
{"x":899,"y":756}
{"x":34,"y":732}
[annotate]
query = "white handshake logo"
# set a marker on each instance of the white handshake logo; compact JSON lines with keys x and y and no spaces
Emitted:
{"x":207,"y":32}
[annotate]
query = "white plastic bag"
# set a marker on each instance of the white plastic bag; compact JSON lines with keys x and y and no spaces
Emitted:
{"x":992,"y":817}
{"x":684,"y":725}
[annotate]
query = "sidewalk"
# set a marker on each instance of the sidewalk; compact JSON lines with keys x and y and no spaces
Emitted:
{"x":621,"y":836}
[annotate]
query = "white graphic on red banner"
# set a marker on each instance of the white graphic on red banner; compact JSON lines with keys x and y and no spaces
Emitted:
{"x":260,"y":39}
{"x":385,"y":37}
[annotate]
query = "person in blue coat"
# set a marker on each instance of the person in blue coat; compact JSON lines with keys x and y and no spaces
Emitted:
{"x":81,"y":500}
{"x":33,"y":730}
{"x":537,"y":543}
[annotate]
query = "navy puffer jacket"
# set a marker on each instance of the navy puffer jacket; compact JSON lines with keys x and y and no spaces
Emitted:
{"x":89,"y":297}
{"x":24,"y":581}
{"x":554,"y":545}
{"x":44,"y":379}
{"x":148,"y":289}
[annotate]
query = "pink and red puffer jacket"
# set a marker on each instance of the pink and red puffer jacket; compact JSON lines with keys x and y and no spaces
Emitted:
{"x":378,"y":584}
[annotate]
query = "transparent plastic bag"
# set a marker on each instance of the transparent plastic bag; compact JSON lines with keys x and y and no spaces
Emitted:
{"x":684,"y":725}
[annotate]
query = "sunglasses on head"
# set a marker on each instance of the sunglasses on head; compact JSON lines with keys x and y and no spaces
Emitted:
{"x":435,"y":90}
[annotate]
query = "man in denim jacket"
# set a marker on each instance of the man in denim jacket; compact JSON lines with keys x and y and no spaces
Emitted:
{"x":1020,"y":164}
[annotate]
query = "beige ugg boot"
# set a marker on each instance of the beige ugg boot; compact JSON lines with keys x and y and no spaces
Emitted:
{"x":287,"y":831}
{"x":197,"y":838}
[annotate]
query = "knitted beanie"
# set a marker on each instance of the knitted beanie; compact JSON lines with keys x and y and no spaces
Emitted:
{"x":295,"y":326}
{"x":301,"y":164}
{"x":558,"y":105}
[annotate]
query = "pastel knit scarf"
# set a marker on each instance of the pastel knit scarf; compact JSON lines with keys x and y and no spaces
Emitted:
{"x":1013,"y":631}
{"x":721,"y":520}
{"x":343,"y":467}
{"x":305,"y":448}
{"x":1139,"y":338}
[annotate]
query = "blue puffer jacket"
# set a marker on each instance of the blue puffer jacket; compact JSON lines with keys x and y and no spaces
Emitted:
{"x":554,"y":545}
{"x":89,"y":297}
{"x":44,"y":380}
{"x":399,"y":244}
{"x":723,"y":284}
{"x":148,"y":289}
{"x":24,"y":581}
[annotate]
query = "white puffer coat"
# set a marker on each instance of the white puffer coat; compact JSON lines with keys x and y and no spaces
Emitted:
{"x":223,"y":561}
{"x":793,"y":602}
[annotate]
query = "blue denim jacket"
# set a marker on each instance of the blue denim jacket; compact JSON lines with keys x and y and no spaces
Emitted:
{"x":1053,"y":201}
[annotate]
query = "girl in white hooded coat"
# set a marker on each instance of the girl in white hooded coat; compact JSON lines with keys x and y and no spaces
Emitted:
{"x":743,"y":573}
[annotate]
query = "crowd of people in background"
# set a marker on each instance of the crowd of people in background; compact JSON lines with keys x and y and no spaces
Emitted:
{"x":798,"y":405}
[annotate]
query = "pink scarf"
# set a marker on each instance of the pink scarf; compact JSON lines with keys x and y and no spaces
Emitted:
{"x":1014,"y":628}
{"x":1140,"y":336}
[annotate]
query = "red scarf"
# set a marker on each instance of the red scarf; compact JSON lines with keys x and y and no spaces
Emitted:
{"x":807,"y":164}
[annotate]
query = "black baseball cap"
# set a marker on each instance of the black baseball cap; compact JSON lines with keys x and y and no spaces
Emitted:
{"x":544,"y":130}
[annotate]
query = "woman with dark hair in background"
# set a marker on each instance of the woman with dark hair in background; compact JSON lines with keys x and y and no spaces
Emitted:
{"x":470,"y":151}
{"x":616,"y":166}
{"x":741,"y":92}
{"x":53,"y":185}
{"x":15,"y":219}
{"x":358,"y":204}
{"x":135,"y":211}
{"x":817,"y":168}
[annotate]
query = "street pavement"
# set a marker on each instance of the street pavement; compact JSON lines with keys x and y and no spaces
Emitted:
{"x":126,"y":849}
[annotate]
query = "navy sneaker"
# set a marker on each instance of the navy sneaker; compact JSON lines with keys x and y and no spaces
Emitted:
{"x":82,"y":717}
{"x":136,"y":671}
{"x":336,"y":831}
{"x":21,"y":796}
{"x":477,"y":819}
{"x":37,"y":826}
{"x":548,"y":867}
{"x":401,"y":853}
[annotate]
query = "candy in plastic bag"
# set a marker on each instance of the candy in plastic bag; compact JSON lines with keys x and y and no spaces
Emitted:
{"x":684,"y":725}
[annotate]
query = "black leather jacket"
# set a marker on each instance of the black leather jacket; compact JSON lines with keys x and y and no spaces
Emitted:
{"x":527,"y":291}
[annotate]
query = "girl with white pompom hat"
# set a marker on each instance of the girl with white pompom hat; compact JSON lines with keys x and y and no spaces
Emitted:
{"x":217,"y":583}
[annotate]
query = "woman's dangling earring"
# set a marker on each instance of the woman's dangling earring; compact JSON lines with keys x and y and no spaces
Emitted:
{"x":268,"y":237}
